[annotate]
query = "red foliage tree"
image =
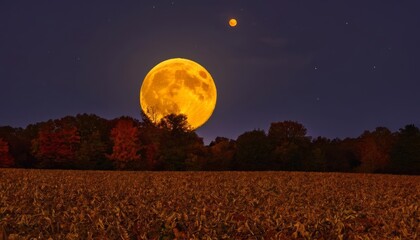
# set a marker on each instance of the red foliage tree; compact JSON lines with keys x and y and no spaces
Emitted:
{"x":6,"y":160}
{"x":125,"y":136}
{"x":57,"y":143}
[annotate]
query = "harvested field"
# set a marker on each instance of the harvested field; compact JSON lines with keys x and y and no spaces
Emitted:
{"x":59,"y":204}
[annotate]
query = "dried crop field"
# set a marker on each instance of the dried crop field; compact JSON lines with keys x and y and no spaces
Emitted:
{"x":59,"y":204}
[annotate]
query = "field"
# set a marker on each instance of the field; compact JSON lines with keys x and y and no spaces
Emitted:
{"x":59,"y":204}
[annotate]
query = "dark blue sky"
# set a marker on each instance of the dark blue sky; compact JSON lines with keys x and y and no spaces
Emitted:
{"x":338,"y":67}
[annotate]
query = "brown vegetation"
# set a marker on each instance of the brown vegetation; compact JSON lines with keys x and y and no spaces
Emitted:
{"x":202,"y":205}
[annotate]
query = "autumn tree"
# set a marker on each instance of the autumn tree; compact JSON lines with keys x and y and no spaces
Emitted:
{"x":374,"y":150}
{"x":56,"y":144}
{"x":6,"y":160}
{"x":126,"y":147}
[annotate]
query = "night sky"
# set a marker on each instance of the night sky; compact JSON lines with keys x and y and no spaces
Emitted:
{"x":337,"y":67}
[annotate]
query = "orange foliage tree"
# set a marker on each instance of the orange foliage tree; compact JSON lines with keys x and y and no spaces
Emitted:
{"x":125,"y":136}
{"x":6,"y":160}
{"x":57,"y":144}
{"x":374,"y":149}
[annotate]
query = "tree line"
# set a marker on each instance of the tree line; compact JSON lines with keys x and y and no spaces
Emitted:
{"x":91,"y":142}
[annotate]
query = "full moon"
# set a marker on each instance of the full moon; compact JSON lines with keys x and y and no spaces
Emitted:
{"x":179,"y":86}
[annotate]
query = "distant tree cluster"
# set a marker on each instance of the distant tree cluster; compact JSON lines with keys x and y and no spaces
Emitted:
{"x":90,"y":142}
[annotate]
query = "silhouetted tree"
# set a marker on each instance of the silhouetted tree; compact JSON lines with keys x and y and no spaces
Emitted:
{"x":291,"y":145}
{"x":253,"y":151}
{"x":342,"y":156}
{"x":196,"y":154}
{"x":405,"y":156}
{"x":95,"y":142}
{"x":287,"y":131}
{"x":150,"y":135}
{"x":126,"y":146}
{"x":6,"y":159}
{"x":318,"y":159}
{"x":19,"y":145}
{"x":176,"y":124}
{"x":220,"y":155}
{"x":180,"y":146}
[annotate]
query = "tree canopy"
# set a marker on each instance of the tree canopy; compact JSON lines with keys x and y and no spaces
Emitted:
{"x":87,"y":141}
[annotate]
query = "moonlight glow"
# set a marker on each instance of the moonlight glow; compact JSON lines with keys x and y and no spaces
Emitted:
{"x":179,"y":86}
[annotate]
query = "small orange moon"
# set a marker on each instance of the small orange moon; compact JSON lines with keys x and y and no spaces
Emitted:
{"x":233,"y":22}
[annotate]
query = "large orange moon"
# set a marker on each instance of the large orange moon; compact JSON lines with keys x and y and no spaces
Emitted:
{"x":179,"y":86}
